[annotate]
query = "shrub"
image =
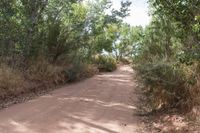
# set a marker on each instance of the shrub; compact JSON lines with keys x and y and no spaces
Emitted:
{"x":105,"y":63}
{"x":43,"y":71}
{"x":79,"y":71}
{"x":169,"y":85}
{"x":11,"y":81}
{"x":125,"y":61}
{"x":88,"y":71}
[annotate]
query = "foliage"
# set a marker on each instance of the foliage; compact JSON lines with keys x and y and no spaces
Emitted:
{"x":125,"y":61}
{"x":79,"y":71}
{"x":166,"y":83}
{"x":105,"y":63}
{"x":167,"y":57}
{"x":52,"y":42}
{"x":53,"y":29}
{"x":128,"y":39}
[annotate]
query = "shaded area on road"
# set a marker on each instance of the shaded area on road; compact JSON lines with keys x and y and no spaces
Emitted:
{"x":102,"y":104}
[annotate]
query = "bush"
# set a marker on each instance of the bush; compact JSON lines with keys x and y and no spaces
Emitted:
{"x":43,"y":71}
{"x":11,"y":81}
{"x":88,"y":71}
{"x":169,"y":85}
{"x":105,"y":63}
{"x":125,"y":61}
{"x":79,"y":71}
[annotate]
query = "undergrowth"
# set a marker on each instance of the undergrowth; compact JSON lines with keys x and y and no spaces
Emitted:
{"x":170,"y":85}
{"x":11,"y":81}
{"x":105,"y":63}
{"x":17,"y":80}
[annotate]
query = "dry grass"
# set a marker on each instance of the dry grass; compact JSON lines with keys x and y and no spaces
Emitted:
{"x":88,"y":71}
{"x":37,"y":77}
{"x":42,"y":71}
{"x":11,"y":81}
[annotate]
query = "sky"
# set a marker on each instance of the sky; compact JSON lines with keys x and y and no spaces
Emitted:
{"x":138,"y":14}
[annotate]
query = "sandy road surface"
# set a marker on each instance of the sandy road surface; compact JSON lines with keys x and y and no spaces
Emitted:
{"x":102,"y":104}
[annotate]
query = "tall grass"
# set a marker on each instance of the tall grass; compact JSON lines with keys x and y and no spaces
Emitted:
{"x":11,"y":81}
{"x":43,"y":71}
{"x":40,"y":72}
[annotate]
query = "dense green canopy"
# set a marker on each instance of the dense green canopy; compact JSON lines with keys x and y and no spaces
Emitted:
{"x":52,"y":28}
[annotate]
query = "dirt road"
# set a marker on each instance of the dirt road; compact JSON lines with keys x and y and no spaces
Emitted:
{"x":102,"y":104}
